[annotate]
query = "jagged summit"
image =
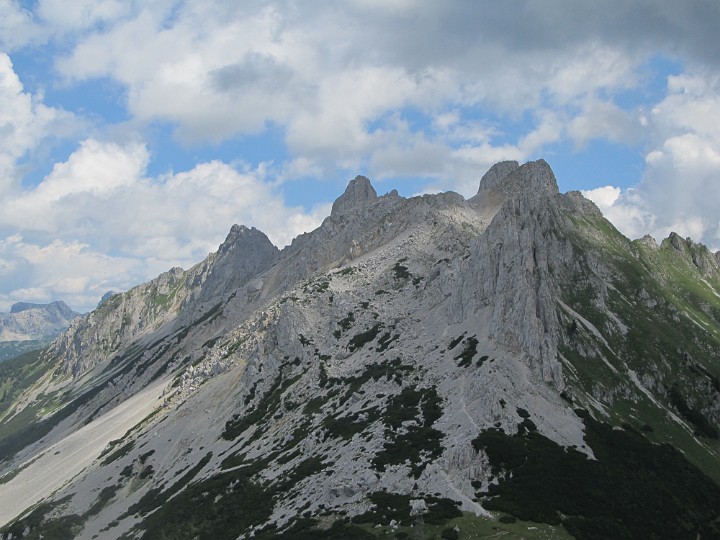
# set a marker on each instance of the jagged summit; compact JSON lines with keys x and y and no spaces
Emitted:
{"x":241,"y":235}
{"x":496,"y":174}
{"x":246,"y":249}
{"x":682,"y":244}
{"x":244,"y":237}
{"x":508,"y":178}
{"x":244,"y":253}
{"x":358,"y":192}
{"x":649,"y":241}
{"x":698,"y":253}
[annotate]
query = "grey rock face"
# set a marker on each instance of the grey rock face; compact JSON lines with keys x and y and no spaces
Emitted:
{"x":508,"y":179}
{"x":358,"y":192}
{"x":496,"y":174}
{"x":244,"y":254}
{"x":120,"y":320}
{"x":508,"y":268}
{"x":174,"y":299}
{"x":512,"y":279}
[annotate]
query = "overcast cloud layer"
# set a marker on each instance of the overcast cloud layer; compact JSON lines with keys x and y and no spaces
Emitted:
{"x":435,"y":91}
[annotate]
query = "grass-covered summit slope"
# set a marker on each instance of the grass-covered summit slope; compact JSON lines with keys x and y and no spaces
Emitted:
{"x":642,"y":336}
{"x":21,"y":424}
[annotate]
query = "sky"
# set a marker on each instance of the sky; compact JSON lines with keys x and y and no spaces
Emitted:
{"x":133,"y":134}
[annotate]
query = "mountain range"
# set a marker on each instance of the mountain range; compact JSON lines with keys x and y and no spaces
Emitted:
{"x":32,"y":326}
{"x":27,"y":321}
{"x":509,"y":365}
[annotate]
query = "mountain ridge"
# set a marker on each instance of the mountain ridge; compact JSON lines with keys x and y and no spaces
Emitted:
{"x":392,"y":350}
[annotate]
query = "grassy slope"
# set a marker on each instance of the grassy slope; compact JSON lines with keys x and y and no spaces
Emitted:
{"x":671,"y":312}
{"x":12,"y":349}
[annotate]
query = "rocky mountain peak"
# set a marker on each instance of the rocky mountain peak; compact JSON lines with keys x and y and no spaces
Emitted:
{"x":107,"y":296}
{"x":509,"y":178}
{"x":497,"y":173}
{"x":409,"y":363}
{"x":676,"y":241}
{"x":244,"y":253}
{"x":245,"y":244}
{"x":19,"y":307}
{"x":244,"y":237}
{"x":358,"y":192}
{"x":649,"y":241}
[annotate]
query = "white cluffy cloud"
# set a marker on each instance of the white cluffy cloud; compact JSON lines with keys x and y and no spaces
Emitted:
{"x":336,"y":78}
{"x":98,"y":222}
{"x":626,"y":210}
{"x":24,"y":122}
{"x":680,"y":188}
{"x":80,"y":14}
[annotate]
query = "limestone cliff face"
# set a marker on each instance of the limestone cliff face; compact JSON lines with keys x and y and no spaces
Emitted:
{"x":244,"y":255}
{"x":358,"y":193}
{"x":120,"y":320}
{"x":509,"y":264}
{"x":359,"y":223}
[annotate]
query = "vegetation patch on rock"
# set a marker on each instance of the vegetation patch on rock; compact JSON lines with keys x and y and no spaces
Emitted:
{"x":408,"y":419}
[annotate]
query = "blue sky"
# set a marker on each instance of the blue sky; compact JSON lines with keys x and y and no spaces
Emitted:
{"x":136,"y":133}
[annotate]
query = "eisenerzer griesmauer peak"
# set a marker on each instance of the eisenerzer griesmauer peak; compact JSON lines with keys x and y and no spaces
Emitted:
{"x":507,"y":366}
{"x":31,"y":326}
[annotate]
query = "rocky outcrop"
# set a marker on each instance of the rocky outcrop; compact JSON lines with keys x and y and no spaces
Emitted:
{"x":507,"y":179}
{"x":244,"y":255}
{"x":706,"y":261}
{"x":172,"y":300}
{"x":496,"y":174}
{"x":522,"y":196}
{"x":508,"y":268}
{"x":358,"y":193}
{"x":119,"y":321}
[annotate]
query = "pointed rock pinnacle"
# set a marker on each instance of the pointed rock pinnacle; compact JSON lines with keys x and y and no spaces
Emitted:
{"x":358,"y":192}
